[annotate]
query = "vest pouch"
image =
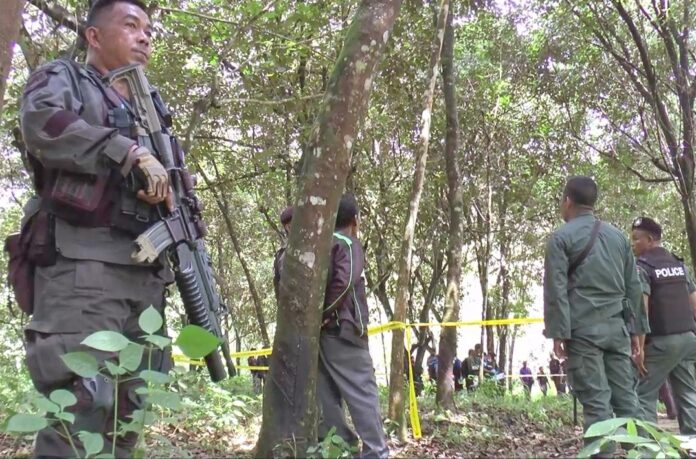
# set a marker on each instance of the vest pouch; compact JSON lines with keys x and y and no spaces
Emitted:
{"x":41,"y":243}
{"x":20,"y":273}
{"x":33,"y":246}
{"x":78,"y":192}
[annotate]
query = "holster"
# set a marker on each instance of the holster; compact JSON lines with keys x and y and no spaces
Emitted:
{"x":629,"y":316}
{"x":33,"y":246}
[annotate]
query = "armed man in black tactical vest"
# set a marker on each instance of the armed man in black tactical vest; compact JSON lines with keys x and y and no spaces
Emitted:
{"x":669,"y":350}
{"x":83,"y":149}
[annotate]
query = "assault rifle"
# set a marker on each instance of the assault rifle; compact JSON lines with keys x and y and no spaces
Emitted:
{"x":179,"y":232}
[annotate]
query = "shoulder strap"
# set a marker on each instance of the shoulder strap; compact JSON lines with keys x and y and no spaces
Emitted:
{"x":349,"y":287}
{"x":586,"y":251}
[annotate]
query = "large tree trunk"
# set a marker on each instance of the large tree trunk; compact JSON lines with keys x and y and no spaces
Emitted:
{"x":10,"y":22}
{"x":289,"y":409}
{"x":448,"y":335}
{"x":396,"y":377}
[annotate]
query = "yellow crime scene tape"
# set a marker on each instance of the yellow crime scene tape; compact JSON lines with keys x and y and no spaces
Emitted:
{"x":390,"y":326}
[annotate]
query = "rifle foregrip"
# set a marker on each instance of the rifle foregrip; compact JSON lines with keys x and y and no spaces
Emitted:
{"x":198,"y":314}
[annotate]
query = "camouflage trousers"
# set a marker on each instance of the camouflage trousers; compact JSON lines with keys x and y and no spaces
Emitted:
{"x":73,"y":299}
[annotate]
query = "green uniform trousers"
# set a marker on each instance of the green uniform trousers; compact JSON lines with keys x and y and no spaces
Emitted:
{"x":73,"y":299}
{"x":670,"y":356}
{"x":600,"y":371}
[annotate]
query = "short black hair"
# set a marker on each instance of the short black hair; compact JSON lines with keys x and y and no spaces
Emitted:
{"x":98,"y":7}
{"x":648,"y":225}
{"x":581,"y":190}
{"x":347,"y":211}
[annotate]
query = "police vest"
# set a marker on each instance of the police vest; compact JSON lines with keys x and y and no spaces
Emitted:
{"x":107,"y":199}
{"x":669,"y":308}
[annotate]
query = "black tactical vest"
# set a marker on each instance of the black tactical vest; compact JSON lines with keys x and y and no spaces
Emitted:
{"x":106,"y":199}
{"x":669,"y":308}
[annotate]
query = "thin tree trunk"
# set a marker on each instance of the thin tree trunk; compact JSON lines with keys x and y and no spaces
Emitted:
{"x":448,"y":335}
{"x":10,"y":23}
{"x":256,"y":299}
{"x":289,"y":407}
{"x":232,"y":233}
{"x":396,"y":378}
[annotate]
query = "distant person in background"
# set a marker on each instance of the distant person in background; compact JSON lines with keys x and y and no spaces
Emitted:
{"x":261,"y":361}
{"x":556,"y":372}
{"x":256,"y":384}
{"x":432,"y":367}
{"x":457,"y":374}
{"x":543,"y":381}
{"x":527,"y":379}
{"x":466,"y":368}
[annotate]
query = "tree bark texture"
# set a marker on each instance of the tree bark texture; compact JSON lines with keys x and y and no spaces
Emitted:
{"x":289,"y":409}
{"x":10,"y":23}
{"x":396,"y":376}
{"x":448,"y":335}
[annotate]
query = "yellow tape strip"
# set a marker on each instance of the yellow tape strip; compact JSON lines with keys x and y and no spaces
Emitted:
{"x":389,"y":326}
{"x":412,"y":402}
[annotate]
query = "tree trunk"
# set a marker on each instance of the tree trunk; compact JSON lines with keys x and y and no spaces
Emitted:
{"x":256,"y":299}
{"x":289,"y":409}
{"x":690,"y":225}
{"x":232,"y":232}
{"x":396,"y":377}
{"x":448,"y":335}
{"x":10,"y":22}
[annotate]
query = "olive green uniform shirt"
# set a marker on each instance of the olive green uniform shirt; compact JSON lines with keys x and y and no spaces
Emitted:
{"x":605,"y":281}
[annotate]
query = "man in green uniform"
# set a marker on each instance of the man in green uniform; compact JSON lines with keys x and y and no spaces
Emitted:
{"x":98,"y":189}
{"x":669,"y":350}
{"x":590,"y":286}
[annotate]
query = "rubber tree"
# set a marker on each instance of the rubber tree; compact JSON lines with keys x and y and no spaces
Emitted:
{"x":289,"y":408}
{"x":448,"y":335}
{"x":396,"y":373}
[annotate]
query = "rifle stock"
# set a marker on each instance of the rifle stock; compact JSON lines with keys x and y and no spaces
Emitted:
{"x":179,"y":233}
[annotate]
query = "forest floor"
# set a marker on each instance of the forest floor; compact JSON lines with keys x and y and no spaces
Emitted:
{"x":221,"y":424}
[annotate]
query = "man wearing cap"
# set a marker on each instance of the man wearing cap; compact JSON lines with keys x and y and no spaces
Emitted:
{"x":669,"y":350}
{"x":285,"y":220}
{"x":590,"y":283}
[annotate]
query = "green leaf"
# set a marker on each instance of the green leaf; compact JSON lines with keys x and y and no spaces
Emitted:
{"x":150,"y":320}
{"x":44,"y":404}
{"x":26,"y":423}
{"x":164,"y":399}
{"x":337,"y":440}
{"x":114,"y":369}
{"x":631,"y":427}
{"x":606,"y":427}
{"x":65,"y":416}
{"x":591,"y":449}
{"x":63,"y":398}
{"x":155,"y":377}
{"x":160,"y":341}
{"x":239,"y":403}
{"x":104,"y":456}
{"x":93,"y":442}
{"x":130,"y":357}
{"x":651,"y":428}
{"x":107,"y":341}
{"x":81,"y":363}
{"x":630,"y":439}
{"x":141,"y":417}
{"x":196,"y":342}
